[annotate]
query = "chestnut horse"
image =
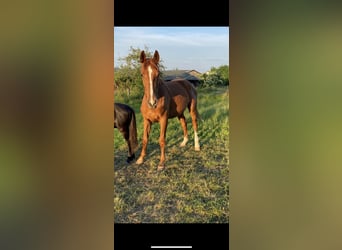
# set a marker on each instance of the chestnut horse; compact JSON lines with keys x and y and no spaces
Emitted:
{"x":165,"y":100}
{"x":124,"y":121}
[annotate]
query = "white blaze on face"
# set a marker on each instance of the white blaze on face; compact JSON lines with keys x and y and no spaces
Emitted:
{"x":151,"y":83}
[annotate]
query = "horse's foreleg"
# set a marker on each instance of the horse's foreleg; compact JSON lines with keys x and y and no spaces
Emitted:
{"x":147,"y":129}
{"x":163,"y":127}
{"x":185,"y":130}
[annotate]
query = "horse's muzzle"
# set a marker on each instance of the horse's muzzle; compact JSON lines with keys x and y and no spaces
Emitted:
{"x":152,"y":106}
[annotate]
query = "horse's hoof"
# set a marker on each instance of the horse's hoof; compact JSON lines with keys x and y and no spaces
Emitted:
{"x":130,"y":158}
{"x":197,"y":148}
{"x":139,"y":161}
{"x":161,"y":167}
{"x":183,"y":143}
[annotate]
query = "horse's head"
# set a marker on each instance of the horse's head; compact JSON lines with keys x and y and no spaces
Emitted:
{"x":150,"y":77}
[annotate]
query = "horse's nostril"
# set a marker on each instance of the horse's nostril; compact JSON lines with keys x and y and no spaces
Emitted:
{"x":152,"y":105}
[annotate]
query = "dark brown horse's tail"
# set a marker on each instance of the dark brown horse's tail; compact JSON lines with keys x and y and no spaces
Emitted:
{"x":133,"y":141}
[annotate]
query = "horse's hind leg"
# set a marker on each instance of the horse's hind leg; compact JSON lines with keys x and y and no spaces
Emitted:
{"x":131,"y":155}
{"x":182,"y":121}
{"x":194,"y":113}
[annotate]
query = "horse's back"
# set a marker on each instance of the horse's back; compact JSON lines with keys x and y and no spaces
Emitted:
{"x":122,"y":112}
{"x":181,"y":87}
{"x":120,"y":107}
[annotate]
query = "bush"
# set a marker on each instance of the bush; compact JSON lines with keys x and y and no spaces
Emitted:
{"x":213,"y":80}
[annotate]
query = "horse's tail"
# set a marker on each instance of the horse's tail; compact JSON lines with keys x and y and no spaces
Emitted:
{"x":194,"y":90}
{"x":133,"y":141}
{"x":198,"y":115}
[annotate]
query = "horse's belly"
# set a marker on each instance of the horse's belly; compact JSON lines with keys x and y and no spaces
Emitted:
{"x":174,"y":113}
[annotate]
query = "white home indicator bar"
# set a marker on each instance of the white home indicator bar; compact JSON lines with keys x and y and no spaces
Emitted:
{"x":179,"y":247}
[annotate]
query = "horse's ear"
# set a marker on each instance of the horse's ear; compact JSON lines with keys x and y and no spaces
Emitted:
{"x":142,"y":56}
{"x":156,"y":57}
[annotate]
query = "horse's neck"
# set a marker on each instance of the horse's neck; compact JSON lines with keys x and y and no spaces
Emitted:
{"x":161,"y":86}
{"x":160,"y":82}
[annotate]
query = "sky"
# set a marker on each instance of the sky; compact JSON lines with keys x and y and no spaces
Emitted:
{"x":184,"y":48}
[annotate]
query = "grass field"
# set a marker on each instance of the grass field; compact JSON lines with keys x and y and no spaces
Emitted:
{"x":194,"y":187}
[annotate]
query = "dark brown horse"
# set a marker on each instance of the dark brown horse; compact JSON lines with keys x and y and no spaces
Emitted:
{"x":163,"y":101}
{"x":124,"y":121}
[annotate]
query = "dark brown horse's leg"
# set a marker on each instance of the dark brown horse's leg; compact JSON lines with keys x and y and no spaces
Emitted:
{"x":193,"y":113}
{"x":185,"y":129}
{"x":163,"y":127}
{"x":131,"y":155}
{"x":147,"y":129}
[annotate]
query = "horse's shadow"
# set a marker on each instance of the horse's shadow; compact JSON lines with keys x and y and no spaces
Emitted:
{"x":152,"y":155}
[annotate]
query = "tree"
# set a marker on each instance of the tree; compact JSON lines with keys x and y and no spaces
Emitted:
{"x":223,"y":72}
{"x":217,"y":76}
{"x":127,"y":77}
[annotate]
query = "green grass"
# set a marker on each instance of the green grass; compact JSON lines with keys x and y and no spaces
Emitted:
{"x":194,"y":186}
